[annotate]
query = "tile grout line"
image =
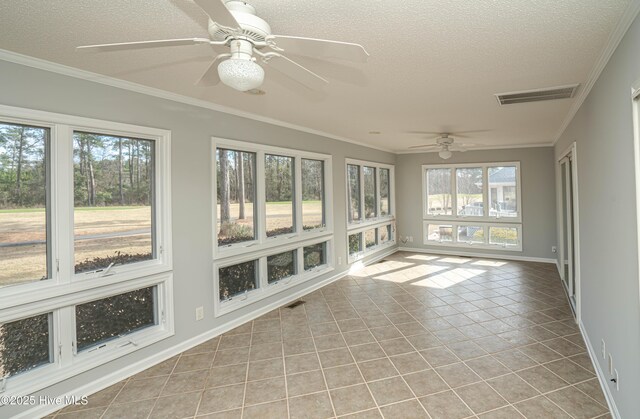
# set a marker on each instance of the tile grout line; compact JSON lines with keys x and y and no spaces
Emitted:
{"x":351,"y":354}
{"x":215,"y":354}
{"x":387,"y":355}
{"x":324,"y":377}
{"x":246,"y":376}
{"x":284,"y":363}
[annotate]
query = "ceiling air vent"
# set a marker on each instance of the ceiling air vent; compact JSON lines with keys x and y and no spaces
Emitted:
{"x":537,"y":95}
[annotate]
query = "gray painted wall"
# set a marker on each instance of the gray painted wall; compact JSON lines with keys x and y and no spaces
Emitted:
{"x":538,"y":197}
{"x":192,"y":129}
{"x":603,"y":131}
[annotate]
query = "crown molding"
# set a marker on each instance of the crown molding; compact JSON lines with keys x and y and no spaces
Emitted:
{"x":627,"y":18}
{"x":16,"y":58}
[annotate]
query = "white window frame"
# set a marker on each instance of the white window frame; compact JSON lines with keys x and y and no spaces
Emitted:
{"x":264,"y":289}
{"x":380,"y":221}
{"x":392,"y":207}
{"x":486,"y":221}
{"x":635,"y":104}
{"x":264,"y":246}
{"x":367,"y":250}
{"x":485,"y":226}
{"x":65,"y":289}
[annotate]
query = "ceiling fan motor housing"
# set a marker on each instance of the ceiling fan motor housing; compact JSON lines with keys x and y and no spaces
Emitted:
{"x":445,"y":140}
{"x":254,"y":28}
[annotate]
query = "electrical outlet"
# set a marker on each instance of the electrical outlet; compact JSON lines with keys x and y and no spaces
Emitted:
{"x":554,"y":249}
{"x":410,"y":239}
{"x":339,"y":260}
{"x":603,"y":349}
{"x":199,"y":313}
{"x":610,"y":365}
{"x":617,"y":380}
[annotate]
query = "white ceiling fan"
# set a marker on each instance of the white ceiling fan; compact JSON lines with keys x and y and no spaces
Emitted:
{"x":235,"y":25}
{"x":444,"y":144}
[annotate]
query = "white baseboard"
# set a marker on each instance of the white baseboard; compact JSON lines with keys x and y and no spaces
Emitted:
{"x":475,"y":254}
{"x":121,"y":374}
{"x":602,"y":377}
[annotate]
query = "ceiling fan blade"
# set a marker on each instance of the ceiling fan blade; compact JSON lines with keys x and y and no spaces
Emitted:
{"x":426,"y":146}
{"x":144,"y":44}
{"x":438,"y":133}
{"x":218,"y":12}
{"x":211,"y":76}
{"x":319,"y":48}
{"x":296,"y":71}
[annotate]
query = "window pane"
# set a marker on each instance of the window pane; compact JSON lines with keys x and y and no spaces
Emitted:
{"x":385,"y":207}
{"x":355,"y":243}
{"x":370,"y":238}
{"x":370,"y":204}
{"x":353,"y":191}
{"x":281,"y":266}
{"x":312,"y":194}
{"x":236,"y":279}
{"x":471,"y":234}
{"x":25,"y":344}
{"x":439,"y":200}
{"x":23,"y":204}
{"x":113,"y":197}
{"x":469,"y":191}
{"x":507,"y":236}
{"x":113,"y":317}
{"x":279,"y":193}
{"x":385,"y":233}
{"x":315,"y":255}
{"x":502,"y":192}
{"x":440,"y":233}
{"x":236,"y":191}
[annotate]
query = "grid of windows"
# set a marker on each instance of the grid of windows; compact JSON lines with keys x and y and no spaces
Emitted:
{"x":85,"y":246}
{"x":273,"y":227}
{"x":370,"y":208}
{"x":475,"y":205}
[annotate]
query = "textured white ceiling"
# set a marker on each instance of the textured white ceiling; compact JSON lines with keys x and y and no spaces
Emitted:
{"x":434,"y":65}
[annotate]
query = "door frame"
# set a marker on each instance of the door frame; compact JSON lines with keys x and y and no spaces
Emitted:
{"x":570,"y":152}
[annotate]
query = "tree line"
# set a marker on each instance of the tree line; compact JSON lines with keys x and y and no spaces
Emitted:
{"x":22,"y":166}
{"x":112,"y":171}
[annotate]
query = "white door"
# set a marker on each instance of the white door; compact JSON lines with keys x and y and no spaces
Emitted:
{"x":568,"y":245}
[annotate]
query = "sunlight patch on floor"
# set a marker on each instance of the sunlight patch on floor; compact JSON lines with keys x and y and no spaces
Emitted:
{"x":422,"y":257}
{"x":447,"y":279}
{"x":494,"y":263}
{"x":411,"y":274}
{"x":455,"y":260}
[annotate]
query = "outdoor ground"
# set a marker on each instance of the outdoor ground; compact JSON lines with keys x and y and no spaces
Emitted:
{"x":100,"y":232}
{"x":279,"y":214}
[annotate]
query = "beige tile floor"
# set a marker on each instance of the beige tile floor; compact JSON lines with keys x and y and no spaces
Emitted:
{"x":413,"y":336}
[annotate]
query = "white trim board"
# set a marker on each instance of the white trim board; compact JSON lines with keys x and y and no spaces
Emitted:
{"x":627,"y":18}
{"x":14,"y":57}
{"x":476,"y":255}
{"x":119,"y":375}
{"x":602,"y":378}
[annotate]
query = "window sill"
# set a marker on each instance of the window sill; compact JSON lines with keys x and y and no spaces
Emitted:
{"x":365,"y":225}
{"x":61,"y":368}
{"x":508,"y":248}
{"x":228,"y":306}
{"x":48,"y":294}
{"x":370,"y":251}
{"x":257,"y":249}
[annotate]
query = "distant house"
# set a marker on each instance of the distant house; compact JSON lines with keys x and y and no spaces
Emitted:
{"x":502,"y":191}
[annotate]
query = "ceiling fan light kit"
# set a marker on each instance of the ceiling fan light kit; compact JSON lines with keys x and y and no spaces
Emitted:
{"x":240,"y":71}
{"x":445,"y":154}
{"x":234,"y":24}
